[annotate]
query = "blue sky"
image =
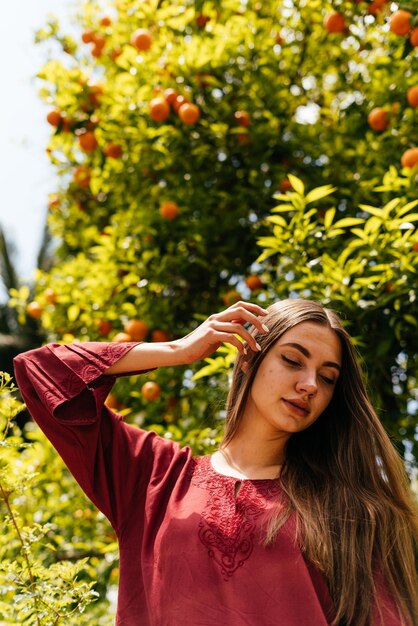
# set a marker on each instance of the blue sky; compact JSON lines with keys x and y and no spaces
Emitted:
{"x":26,"y":176}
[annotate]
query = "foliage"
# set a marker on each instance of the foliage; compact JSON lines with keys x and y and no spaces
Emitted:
{"x":284,"y":105}
{"x":277,"y":94}
{"x":364,"y":267}
{"x":49,"y":555}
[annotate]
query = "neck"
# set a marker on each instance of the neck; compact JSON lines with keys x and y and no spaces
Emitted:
{"x":253,"y":457}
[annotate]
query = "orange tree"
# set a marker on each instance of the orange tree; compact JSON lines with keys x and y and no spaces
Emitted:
{"x":172,"y":125}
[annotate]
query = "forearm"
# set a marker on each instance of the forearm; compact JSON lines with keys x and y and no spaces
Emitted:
{"x":146,"y":356}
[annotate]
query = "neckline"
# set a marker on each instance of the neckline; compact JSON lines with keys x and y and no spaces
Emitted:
{"x":208,"y":460}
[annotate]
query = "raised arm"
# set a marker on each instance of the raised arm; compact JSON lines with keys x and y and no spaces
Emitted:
{"x":200,"y":343}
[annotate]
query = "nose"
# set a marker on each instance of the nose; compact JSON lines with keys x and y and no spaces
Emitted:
{"x":307,"y":384}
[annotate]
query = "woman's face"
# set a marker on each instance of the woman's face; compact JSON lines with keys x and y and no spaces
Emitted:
{"x":295,"y":381}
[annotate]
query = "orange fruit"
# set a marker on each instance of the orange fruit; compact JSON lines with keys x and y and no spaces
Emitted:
{"x":99,"y":40}
{"x":170,"y":95}
{"x":105,"y":21}
{"x":159,"y":109}
{"x":378,"y":119}
{"x":254,"y":282}
{"x":97,"y":51}
{"x":242,"y":118}
{"x":413,"y":37}
{"x":189,"y":113}
{"x":112,"y":401}
{"x":87,"y":36}
{"x":34,"y":310}
{"x":50,"y":296}
{"x":115,"y":53}
{"x":82,"y":176}
{"x":95,"y":91}
{"x":202,"y":20}
{"x":160,"y":335}
{"x":66,"y":125}
{"x":88,"y":141}
{"x":400,"y":22}
{"x":113,"y":150}
{"x":376,"y":6}
{"x":150,"y":390}
{"x":169,"y":210}
{"x":412,"y":96}
{"x":137,"y":329}
{"x":335,"y":22}
{"x":104,"y":327}
{"x":285,"y":185}
{"x":141,"y":39}
{"x":54,"y":118}
{"x":410,"y":157}
{"x":232,"y":296}
{"x":122,"y":337}
{"x":53,"y":201}
{"x":178,"y":102}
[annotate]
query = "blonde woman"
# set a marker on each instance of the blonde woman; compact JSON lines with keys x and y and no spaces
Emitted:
{"x":303,"y":517}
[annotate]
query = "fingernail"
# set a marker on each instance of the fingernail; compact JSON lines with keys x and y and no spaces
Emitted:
{"x":257,"y":345}
{"x":245,"y":351}
{"x":266,"y":328}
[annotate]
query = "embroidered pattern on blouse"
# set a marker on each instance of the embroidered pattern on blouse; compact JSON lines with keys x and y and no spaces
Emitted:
{"x":228,"y":527}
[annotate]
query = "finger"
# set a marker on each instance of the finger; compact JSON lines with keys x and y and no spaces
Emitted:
{"x":228,"y":338}
{"x":251,"y":306}
{"x":236,"y":329}
{"x":241,"y":315}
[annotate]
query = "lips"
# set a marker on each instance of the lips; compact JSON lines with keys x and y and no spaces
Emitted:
{"x":301,"y":407}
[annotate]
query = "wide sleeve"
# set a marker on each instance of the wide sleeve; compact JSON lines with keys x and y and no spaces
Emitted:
{"x":64,"y":388}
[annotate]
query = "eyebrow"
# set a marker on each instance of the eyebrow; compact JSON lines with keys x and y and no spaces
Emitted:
{"x":306,"y":352}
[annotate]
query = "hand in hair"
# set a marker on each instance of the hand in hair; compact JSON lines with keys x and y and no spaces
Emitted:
{"x":226,"y":326}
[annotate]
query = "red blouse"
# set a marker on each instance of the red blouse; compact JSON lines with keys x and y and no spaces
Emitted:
{"x":190,"y":542}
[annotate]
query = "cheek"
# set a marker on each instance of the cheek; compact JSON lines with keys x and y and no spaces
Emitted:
{"x":266,"y":384}
{"x":326,"y":399}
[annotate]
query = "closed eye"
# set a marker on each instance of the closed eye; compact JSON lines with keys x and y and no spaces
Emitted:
{"x":293,"y":363}
{"x":328,"y":381}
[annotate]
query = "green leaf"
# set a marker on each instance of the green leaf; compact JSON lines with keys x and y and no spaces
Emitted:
{"x":360,"y":233}
{"x":282,"y":208}
{"x":73,"y":312}
{"x":407,"y":208}
{"x":410,"y":319}
{"x":319,"y":192}
{"x":367,"y":281}
{"x":297,"y":184}
{"x":411,"y":217}
{"x":281,"y":196}
{"x":355,"y":243}
{"x":348,"y":221}
{"x":372,"y":225}
{"x":372,"y":210}
{"x":389,"y":206}
{"x":277,"y":219}
{"x":329,"y":216}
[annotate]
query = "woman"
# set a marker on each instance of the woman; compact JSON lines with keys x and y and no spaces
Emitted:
{"x":303,"y":517}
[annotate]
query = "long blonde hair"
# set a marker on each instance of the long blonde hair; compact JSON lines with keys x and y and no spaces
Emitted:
{"x":344,"y":480}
